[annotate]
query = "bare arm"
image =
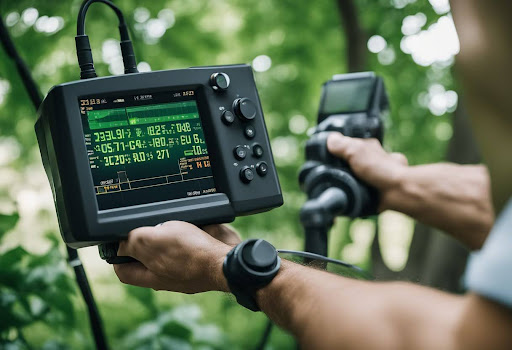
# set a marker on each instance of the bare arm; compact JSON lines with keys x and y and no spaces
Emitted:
{"x":322,"y":310}
{"x":330,"y":312}
{"x":454,"y":198}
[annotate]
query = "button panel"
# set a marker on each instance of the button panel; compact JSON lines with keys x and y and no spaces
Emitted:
{"x":241,"y":118}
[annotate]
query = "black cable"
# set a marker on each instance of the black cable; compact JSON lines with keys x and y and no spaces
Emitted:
{"x":96,"y":322}
{"x":322,"y":258}
{"x":74,"y":261}
{"x":80,"y":24}
{"x":266,"y":335}
{"x":83,"y":46}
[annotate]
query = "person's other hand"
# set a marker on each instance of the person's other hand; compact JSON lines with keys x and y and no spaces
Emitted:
{"x":369,"y":162}
{"x":176,"y":256}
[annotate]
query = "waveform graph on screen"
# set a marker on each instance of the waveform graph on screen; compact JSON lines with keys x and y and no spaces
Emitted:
{"x":107,"y":118}
{"x":161,"y":113}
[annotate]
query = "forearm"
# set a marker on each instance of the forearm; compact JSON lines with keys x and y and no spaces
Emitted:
{"x":454,"y":198}
{"x":325,"y":311}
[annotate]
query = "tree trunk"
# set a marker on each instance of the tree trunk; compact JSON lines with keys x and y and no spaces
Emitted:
{"x":355,"y":37}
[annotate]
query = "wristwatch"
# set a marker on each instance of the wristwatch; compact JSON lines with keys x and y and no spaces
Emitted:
{"x":249,"y":266}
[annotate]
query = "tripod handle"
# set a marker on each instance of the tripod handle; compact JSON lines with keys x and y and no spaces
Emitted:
{"x":317,"y":217}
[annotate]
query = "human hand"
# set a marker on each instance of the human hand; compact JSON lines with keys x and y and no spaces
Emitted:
{"x":176,"y":256}
{"x":223,"y":233}
{"x":370,"y":162}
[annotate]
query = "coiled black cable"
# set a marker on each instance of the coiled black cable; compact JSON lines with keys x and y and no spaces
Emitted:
{"x":83,"y":47}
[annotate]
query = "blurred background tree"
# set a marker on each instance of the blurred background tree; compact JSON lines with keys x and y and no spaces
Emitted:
{"x":293,"y":46}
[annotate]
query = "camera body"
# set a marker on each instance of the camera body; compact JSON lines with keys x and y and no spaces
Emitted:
{"x":354,"y":105}
{"x":136,"y":150}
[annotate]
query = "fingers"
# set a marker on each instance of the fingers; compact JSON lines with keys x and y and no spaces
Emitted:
{"x":216,"y":231}
{"x":138,"y":245}
{"x":338,"y":144}
{"x":137,"y":274}
{"x":345,"y":147}
{"x":145,"y":242}
{"x":400,"y":157}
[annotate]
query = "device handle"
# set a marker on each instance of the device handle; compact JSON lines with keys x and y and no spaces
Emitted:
{"x":108,"y":252}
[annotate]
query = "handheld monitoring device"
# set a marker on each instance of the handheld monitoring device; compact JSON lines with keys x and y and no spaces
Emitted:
{"x":355,"y":105}
{"x":135,"y":150}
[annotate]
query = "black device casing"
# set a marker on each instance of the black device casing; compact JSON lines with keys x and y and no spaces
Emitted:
{"x":61,"y":140}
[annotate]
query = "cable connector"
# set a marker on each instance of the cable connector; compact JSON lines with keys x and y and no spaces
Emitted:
{"x":84,"y":54}
{"x":130,"y":63}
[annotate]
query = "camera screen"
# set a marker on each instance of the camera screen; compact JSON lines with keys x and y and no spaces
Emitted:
{"x":347,"y":96}
{"x":145,"y":148}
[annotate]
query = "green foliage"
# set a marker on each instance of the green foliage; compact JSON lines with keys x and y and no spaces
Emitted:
{"x":175,"y":329}
{"x":33,"y":288}
{"x":179,"y":328}
{"x":39,"y":304}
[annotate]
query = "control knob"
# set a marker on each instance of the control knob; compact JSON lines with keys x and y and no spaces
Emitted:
{"x":244,"y":108}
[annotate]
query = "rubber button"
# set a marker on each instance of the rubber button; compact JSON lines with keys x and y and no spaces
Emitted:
{"x":240,"y":152}
{"x":262,"y":168}
{"x":257,"y":150}
{"x":250,"y":132}
{"x":246,"y":174}
{"x":227,"y":117}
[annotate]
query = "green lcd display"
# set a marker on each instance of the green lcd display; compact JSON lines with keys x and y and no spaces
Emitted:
{"x":145,"y":148}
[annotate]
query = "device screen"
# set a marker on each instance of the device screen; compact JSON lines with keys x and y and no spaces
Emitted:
{"x":347,"y":96}
{"x":145,"y":148}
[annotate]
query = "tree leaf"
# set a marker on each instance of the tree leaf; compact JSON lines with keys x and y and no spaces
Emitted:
{"x":177,"y":329}
{"x":144,"y":296}
{"x":7,"y":223}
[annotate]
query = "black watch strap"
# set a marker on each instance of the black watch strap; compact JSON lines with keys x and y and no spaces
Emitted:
{"x":249,"y":266}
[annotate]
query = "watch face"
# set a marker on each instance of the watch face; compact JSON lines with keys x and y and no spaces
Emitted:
{"x":323,"y":263}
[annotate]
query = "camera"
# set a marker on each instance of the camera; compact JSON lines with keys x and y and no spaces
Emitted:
{"x":354,"y":105}
{"x":139,"y":149}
